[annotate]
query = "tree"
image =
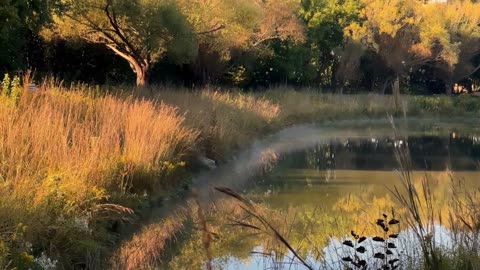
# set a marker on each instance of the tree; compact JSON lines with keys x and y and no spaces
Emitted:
{"x":390,"y":29}
{"x":20,"y":18}
{"x":325,"y":20}
{"x":349,"y":57}
{"x":408,"y":34}
{"x":139,"y":31}
{"x":455,"y":29}
{"x":226,"y":26}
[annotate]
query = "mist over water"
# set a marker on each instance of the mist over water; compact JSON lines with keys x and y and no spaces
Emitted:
{"x":264,"y":153}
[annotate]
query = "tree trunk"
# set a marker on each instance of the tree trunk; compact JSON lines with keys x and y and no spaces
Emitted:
{"x":396,"y":92}
{"x":139,"y":65}
{"x":448,"y":89}
{"x":385,"y":85}
{"x":340,"y":89}
{"x":141,"y":71}
{"x":142,"y":78}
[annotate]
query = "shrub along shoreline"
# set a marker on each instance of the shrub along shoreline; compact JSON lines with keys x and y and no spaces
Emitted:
{"x":74,"y":163}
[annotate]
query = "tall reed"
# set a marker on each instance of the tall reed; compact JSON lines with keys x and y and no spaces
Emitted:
{"x":64,"y":155}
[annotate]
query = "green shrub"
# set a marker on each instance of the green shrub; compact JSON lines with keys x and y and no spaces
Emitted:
{"x":11,"y":87}
{"x":467,"y":103}
{"x":6,"y":85}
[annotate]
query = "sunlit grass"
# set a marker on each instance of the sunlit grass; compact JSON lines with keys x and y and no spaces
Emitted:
{"x":227,"y":121}
{"x":64,"y":154}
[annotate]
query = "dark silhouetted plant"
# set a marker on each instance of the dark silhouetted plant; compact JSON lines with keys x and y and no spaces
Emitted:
{"x":387,"y":253}
{"x":358,"y":247}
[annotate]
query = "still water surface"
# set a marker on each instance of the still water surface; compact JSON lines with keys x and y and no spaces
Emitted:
{"x":317,"y":195}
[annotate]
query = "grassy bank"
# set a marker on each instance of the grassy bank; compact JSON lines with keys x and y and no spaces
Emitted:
{"x":74,"y":162}
{"x":229,"y":120}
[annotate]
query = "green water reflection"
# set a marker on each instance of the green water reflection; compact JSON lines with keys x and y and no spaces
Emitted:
{"x":326,"y":191}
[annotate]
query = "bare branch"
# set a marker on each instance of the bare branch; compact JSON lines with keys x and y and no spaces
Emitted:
{"x":112,"y":17}
{"x":215,"y":29}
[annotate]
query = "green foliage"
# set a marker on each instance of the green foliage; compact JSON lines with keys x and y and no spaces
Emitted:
{"x":15,"y":88}
{"x":140,"y":31}
{"x":468,"y":104}
{"x":330,"y":44}
{"x":11,"y":88}
{"x":6,"y":85}
{"x":20,"y":19}
{"x":445,"y":105}
{"x":311,"y":62}
{"x":326,"y":20}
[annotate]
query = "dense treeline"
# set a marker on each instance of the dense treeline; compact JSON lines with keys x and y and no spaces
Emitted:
{"x":337,"y":45}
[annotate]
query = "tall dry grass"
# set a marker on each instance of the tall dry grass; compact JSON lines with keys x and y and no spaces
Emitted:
{"x":63,"y":155}
{"x":146,"y":249}
{"x":310,"y":105}
{"x":73,"y":136}
{"x":461,"y":217}
{"x":227,"y":120}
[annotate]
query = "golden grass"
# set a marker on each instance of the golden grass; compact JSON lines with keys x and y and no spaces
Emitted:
{"x":64,"y":153}
{"x":75,"y":136}
{"x":145,"y":249}
{"x":227,"y":121}
{"x":309,"y":105}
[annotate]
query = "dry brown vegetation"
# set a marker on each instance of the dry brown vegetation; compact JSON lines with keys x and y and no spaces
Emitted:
{"x":145,"y":249}
{"x":64,"y":154}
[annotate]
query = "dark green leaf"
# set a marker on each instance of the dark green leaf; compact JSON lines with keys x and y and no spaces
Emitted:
{"x":393,"y":221}
{"x":378,"y":239}
{"x":391,"y":245}
{"x":348,"y":243}
{"x":379,"y":255}
{"x":361,"y":249}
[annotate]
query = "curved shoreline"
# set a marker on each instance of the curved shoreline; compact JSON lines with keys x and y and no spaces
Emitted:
{"x":249,"y":163}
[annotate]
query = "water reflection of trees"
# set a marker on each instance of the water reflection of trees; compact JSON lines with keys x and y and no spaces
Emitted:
{"x":309,"y":227}
{"x":428,"y":152}
{"x":309,"y":218}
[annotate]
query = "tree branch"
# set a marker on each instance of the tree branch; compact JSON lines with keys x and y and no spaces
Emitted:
{"x":215,"y":29}
{"x":112,"y":18}
{"x":265,"y":39}
{"x":134,"y":64}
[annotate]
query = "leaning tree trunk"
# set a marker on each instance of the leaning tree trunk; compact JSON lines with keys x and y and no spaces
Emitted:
{"x":141,"y":71}
{"x":142,"y":78}
{"x":139,"y":64}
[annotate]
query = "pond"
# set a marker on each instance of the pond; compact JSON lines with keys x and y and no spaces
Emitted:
{"x":316,"y":186}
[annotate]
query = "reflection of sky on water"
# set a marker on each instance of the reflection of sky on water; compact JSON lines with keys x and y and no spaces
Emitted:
{"x":408,"y":247}
{"x":407,"y":244}
{"x":255,"y":262}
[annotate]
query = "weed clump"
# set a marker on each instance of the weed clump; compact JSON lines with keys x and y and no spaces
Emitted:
{"x":383,"y":247}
